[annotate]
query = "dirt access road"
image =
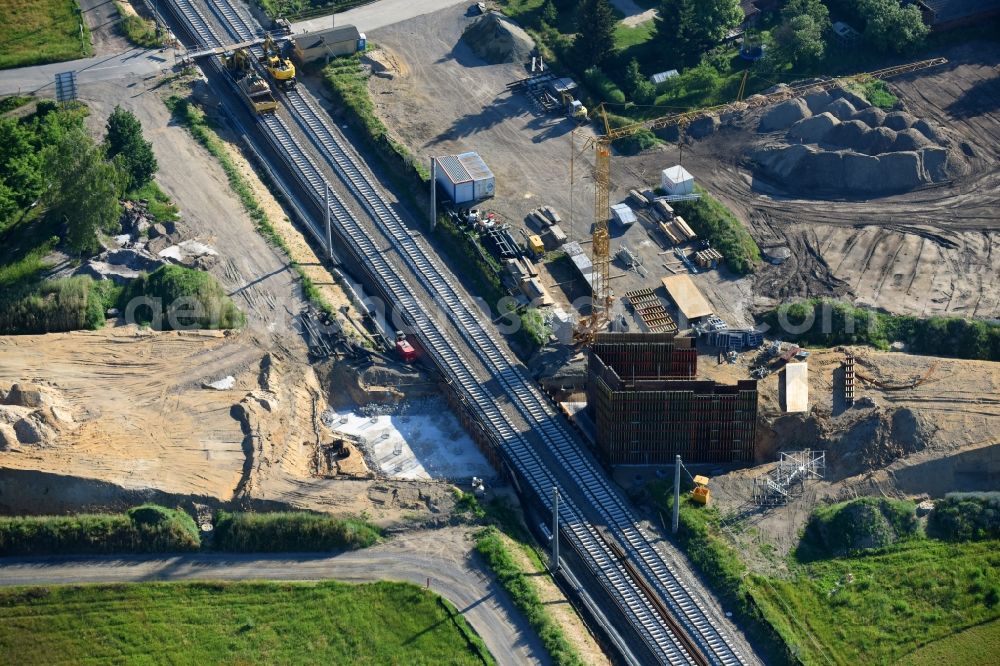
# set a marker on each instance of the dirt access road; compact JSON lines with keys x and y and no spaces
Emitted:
{"x":444,"y":557}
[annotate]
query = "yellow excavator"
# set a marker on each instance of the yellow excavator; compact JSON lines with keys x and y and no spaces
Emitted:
{"x":281,"y":69}
{"x":256,"y":92}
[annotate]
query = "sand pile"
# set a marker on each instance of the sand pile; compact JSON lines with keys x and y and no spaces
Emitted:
{"x":496,"y":39}
{"x":837,"y":143}
{"x":31,"y":416}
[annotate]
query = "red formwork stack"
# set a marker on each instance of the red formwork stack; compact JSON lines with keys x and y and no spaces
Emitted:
{"x":647,"y":407}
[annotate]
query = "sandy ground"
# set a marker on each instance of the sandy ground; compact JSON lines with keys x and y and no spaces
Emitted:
{"x":121,"y":415}
{"x":139,"y":416}
{"x":927,"y":252}
{"x":938,"y":437}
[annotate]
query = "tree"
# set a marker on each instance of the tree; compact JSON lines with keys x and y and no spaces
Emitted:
{"x":124,"y":138}
{"x":799,"y":39}
{"x":687,"y":28}
{"x":595,"y":39}
{"x":549,"y":13}
{"x":889,"y":26}
{"x":639,"y":89}
{"x":83,"y":189}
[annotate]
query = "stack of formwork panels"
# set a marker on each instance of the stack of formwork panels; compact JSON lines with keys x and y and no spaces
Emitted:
{"x":651,"y":312}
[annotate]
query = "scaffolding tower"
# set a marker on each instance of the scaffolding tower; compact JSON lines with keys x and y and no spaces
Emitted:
{"x":787,"y":480}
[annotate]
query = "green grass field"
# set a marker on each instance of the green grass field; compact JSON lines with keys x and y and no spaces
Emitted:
{"x":877,"y":608}
{"x":977,"y":646}
{"x":39,"y":31}
{"x":234,"y":623}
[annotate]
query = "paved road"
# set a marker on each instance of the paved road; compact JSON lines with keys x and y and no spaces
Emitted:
{"x":378,"y":14}
{"x":441,"y":555}
{"x":40,"y":79}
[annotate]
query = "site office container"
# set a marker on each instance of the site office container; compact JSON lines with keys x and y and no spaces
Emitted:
{"x":465,"y":178}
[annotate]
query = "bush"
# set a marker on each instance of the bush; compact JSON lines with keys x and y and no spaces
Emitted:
{"x":848,"y":528}
{"x":534,"y":326}
{"x":600,"y":85}
{"x":838,"y":323}
{"x":713,"y":222}
{"x":499,"y":559}
{"x":138,"y":30}
{"x":966,"y":517}
{"x":291,"y":532}
{"x":68,"y":304}
{"x":178,"y":297}
{"x":144,"y":529}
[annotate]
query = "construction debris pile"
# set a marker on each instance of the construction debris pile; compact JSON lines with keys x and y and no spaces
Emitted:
{"x":496,"y":39}
{"x":836,"y":142}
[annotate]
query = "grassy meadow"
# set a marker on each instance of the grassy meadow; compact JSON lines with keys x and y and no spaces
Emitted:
{"x":235,"y":623}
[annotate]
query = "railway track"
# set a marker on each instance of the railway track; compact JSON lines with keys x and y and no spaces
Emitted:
{"x":651,"y":596}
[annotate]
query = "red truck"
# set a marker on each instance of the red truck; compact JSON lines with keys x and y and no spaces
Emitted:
{"x":404,"y":348}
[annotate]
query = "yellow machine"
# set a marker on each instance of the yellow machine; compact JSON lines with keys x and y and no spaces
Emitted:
{"x":280,"y":68}
{"x":602,"y":296}
{"x":701,"y":494}
{"x":256,"y":92}
{"x":536,"y":245}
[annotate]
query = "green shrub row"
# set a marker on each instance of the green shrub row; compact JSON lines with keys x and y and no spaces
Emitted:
{"x":720,"y":564}
{"x":291,"y":532}
{"x":52,"y":306}
{"x":144,"y":529}
{"x":155,"y":529}
{"x":510,"y":576}
{"x":716,"y":224}
{"x":837,"y":323}
{"x":966,"y":517}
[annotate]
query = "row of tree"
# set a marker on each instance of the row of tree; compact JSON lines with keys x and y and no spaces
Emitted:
{"x":685,"y":30}
{"x":50,"y":158}
{"x":803,"y":34}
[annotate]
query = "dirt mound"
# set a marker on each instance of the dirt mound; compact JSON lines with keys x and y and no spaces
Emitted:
{"x":872,"y":116}
{"x":842,"y":109}
{"x":784,"y":115}
{"x":837,"y":143}
{"x":31,"y":415}
{"x":815,"y":129}
{"x":496,"y":39}
{"x":899,"y":120}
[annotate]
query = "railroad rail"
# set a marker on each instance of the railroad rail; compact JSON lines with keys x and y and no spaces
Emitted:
{"x":642,"y":584}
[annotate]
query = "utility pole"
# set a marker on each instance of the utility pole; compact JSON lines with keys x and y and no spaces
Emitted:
{"x":434,"y":209}
{"x":555,"y":530}
{"x":677,"y":492}
{"x":329,"y":231}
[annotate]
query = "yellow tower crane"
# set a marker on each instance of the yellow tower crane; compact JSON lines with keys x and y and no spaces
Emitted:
{"x":601,"y":256}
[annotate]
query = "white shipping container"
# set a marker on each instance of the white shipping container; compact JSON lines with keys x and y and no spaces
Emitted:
{"x":677,"y":180}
